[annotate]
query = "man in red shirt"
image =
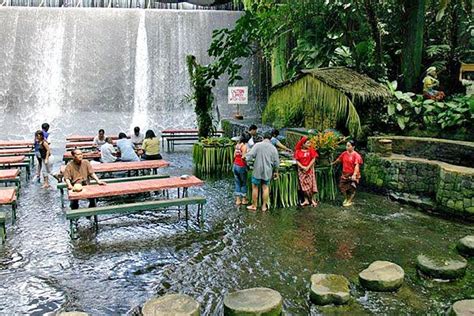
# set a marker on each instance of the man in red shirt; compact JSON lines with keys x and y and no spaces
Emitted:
{"x":351,"y":161}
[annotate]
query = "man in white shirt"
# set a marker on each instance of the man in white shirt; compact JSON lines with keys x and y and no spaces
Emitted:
{"x":99,"y":140}
{"x":136,"y":137}
{"x":107,"y":151}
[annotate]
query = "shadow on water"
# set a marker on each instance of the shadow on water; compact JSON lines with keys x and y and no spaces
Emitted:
{"x":134,"y":257}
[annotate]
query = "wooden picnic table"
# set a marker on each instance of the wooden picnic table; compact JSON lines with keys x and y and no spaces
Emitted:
{"x":11,"y":159}
{"x":19,"y":152}
{"x":126,"y":166}
{"x":181,"y":136}
{"x":9,"y":174}
{"x":87,"y":155}
{"x":16,"y":151}
{"x":16,"y":161}
{"x":16,"y":143}
{"x":134,"y":187}
{"x":81,"y":145}
{"x":8,"y":197}
{"x":85,"y":138}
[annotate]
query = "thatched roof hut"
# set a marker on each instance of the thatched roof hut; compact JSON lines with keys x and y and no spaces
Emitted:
{"x":323,"y":98}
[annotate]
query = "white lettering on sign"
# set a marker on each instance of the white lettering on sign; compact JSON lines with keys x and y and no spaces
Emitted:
{"x":238,"y":95}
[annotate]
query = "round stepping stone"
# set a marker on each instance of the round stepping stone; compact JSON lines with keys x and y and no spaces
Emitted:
{"x":462,"y":308}
{"x":442,"y":268}
{"x":329,"y":289}
{"x":466,"y":245}
{"x":382,"y":276}
{"x":253,"y":302}
{"x":171,"y":305}
{"x":73,"y":314}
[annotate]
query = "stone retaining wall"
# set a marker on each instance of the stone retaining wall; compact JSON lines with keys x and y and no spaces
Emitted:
{"x":450,"y":151}
{"x":432,"y":184}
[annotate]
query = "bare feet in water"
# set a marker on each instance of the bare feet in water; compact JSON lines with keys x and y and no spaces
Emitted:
{"x":251,"y":208}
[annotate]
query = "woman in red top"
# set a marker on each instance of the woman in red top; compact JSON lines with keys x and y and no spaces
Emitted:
{"x":240,"y":170}
{"x":351,"y":161}
{"x":305,"y":158}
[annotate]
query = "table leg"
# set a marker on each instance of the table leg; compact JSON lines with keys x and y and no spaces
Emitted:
{"x":61,"y":191}
{"x":3,"y":232}
{"x":14,"y":212}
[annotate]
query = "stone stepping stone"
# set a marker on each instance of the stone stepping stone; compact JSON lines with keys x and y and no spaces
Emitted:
{"x":253,"y":302}
{"x":462,"y":308}
{"x":466,"y":245}
{"x":329,"y":289}
{"x":382,"y":276}
{"x":442,"y":268}
{"x":171,"y":305}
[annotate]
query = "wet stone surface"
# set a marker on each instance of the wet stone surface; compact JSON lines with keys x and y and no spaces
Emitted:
{"x":329,"y":289}
{"x":466,"y":245}
{"x":382,"y":276}
{"x":442,"y":267}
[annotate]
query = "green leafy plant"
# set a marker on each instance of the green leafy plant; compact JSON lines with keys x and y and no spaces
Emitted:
{"x":411,"y":111}
{"x":213,"y":156}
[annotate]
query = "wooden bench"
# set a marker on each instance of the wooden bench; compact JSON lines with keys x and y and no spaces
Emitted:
{"x":181,"y":137}
{"x":85,"y":138}
{"x":16,"y":162}
{"x":121,"y":166}
{"x":129,"y":208}
{"x":11,"y":176}
{"x":8,"y":197}
{"x":11,"y":144}
{"x":3,"y":229}
{"x":63,"y":186}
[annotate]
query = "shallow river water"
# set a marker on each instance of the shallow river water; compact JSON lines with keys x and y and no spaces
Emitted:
{"x":135,"y":257}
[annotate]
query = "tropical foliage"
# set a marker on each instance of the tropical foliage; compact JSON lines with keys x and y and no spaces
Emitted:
{"x":213,"y":156}
{"x":201,"y":95}
{"x":283,"y":190}
{"x":394,"y":39}
{"x":409,"y":111}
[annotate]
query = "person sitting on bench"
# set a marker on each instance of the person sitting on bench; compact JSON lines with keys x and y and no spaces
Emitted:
{"x":126,"y":148}
{"x":79,"y":171}
{"x":151,"y":146}
{"x":136,"y":137}
{"x":99,"y":140}
{"x":107,"y":151}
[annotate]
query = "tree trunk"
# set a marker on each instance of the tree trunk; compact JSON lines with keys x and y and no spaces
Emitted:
{"x":374,"y":28}
{"x":412,"y":46}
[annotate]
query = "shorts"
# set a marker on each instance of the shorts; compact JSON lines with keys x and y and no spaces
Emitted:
{"x":256,"y":181}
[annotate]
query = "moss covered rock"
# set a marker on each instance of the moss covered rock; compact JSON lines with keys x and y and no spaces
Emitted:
{"x":466,"y":245}
{"x":171,"y":305}
{"x":382,"y":276}
{"x":462,"y":308}
{"x":446,"y":268}
{"x":329,"y":289}
{"x":253,"y":302}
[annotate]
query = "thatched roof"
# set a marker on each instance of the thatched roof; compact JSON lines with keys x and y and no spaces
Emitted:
{"x":357,"y":86}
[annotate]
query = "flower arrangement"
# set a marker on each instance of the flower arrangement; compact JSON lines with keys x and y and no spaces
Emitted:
{"x":326,"y":142}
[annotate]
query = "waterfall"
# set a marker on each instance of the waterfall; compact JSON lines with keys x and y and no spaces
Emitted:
{"x":84,"y":69}
{"x":142,"y":78}
{"x":49,"y":78}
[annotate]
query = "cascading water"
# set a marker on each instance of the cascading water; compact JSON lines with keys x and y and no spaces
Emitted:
{"x":142,"y":78}
{"x":49,"y":78}
{"x":85,"y":69}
